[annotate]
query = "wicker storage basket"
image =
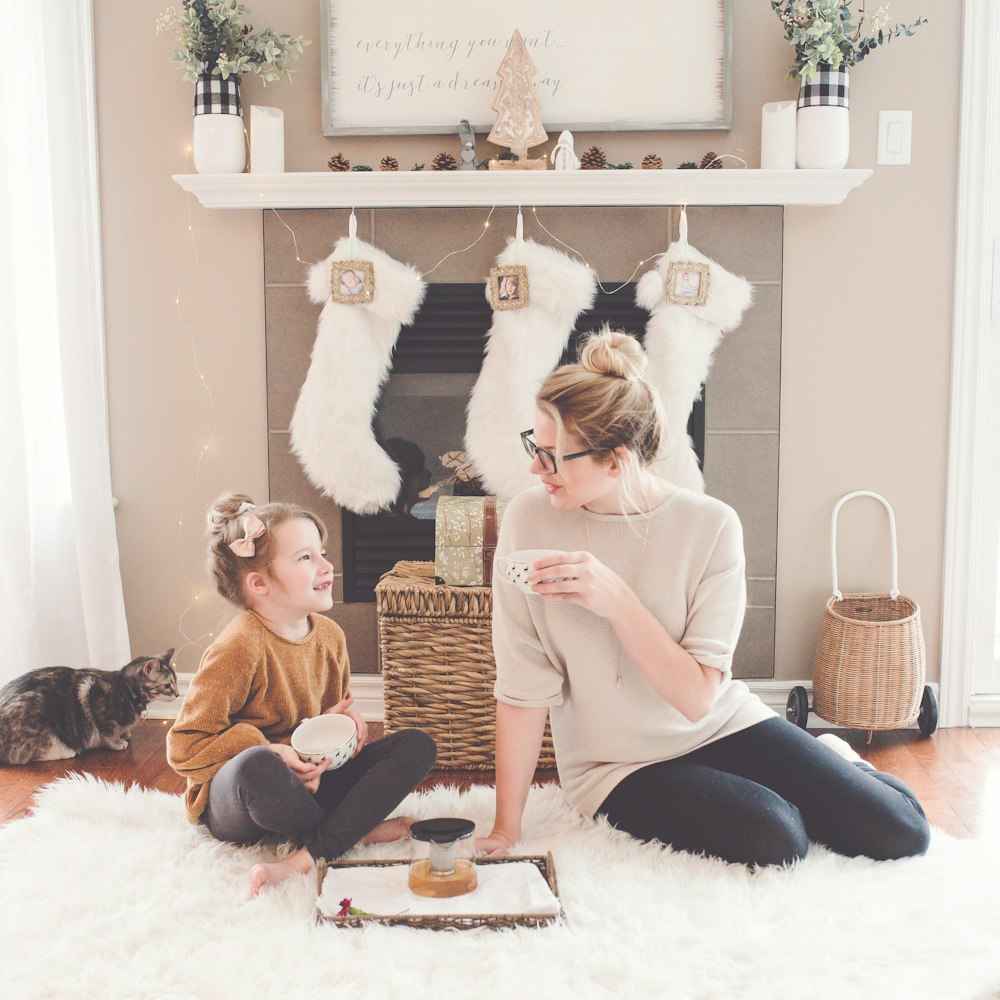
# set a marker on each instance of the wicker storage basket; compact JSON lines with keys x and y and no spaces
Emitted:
{"x":437,"y":665}
{"x":870,"y":660}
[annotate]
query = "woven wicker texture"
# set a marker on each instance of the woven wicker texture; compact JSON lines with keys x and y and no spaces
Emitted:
{"x":870,"y":662}
{"x":437,"y":665}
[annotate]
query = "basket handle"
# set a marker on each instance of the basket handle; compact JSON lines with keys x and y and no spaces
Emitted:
{"x":894,"y":592}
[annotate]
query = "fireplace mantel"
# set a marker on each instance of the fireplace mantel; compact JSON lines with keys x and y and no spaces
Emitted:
{"x":454,"y":189}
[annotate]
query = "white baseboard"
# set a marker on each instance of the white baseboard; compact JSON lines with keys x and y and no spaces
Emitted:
{"x":366,"y":688}
{"x":984,"y":711}
{"x":368,"y":700}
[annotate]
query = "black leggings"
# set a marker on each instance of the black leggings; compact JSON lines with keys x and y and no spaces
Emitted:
{"x":759,"y":796}
{"x":255,"y":796}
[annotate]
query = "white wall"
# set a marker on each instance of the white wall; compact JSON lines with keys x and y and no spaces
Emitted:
{"x":866,"y":319}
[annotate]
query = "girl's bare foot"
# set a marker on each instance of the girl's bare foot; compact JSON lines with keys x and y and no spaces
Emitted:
{"x":396,"y":828}
{"x":268,"y":873}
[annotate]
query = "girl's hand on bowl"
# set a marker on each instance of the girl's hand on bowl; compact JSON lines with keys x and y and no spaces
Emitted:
{"x":344,"y":708}
{"x":308,"y":774}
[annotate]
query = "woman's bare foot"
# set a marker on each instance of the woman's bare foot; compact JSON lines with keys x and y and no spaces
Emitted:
{"x":397,"y":828}
{"x":268,"y":873}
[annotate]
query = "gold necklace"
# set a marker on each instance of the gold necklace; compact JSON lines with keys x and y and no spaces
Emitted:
{"x":635,"y":580}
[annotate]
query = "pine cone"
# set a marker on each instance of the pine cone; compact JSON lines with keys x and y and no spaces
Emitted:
{"x":710,"y":162}
{"x":339,"y":163}
{"x":652,"y":162}
{"x":594,"y":159}
{"x":389,"y":163}
{"x":444,"y":161}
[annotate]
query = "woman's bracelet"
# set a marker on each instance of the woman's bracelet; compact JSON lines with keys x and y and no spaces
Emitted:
{"x":503,"y":837}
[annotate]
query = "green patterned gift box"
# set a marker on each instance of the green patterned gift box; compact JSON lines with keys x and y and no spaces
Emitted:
{"x":465,"y":538}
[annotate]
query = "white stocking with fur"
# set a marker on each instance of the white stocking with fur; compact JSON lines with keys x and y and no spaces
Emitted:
{"x":524,"y":346}
{"x":680,"y":342}
{"x":331,"y":430}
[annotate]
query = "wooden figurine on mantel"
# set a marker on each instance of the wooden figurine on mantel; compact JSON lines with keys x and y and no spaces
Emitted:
{"x":516,"y":103}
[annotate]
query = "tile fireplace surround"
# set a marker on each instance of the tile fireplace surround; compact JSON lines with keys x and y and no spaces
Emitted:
{"x":742,"y":440}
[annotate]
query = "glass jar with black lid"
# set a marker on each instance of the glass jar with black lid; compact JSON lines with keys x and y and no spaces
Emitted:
{"x":442,"y":857}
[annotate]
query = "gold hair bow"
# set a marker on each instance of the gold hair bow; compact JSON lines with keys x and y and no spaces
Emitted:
{"x":253,"y":527}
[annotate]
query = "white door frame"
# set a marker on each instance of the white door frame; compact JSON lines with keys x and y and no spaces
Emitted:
{"x":967,"y":446}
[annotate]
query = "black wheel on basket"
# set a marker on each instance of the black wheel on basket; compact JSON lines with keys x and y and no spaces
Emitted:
{"x":797,"y":707}
{"x":927,"y":720}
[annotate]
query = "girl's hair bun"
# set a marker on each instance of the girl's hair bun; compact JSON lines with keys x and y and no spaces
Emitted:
{"x":224,"y":511}
{"x":611,"y":353}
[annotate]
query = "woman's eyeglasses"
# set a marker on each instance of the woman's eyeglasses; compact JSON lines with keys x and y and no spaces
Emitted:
{"x":547,"y":459}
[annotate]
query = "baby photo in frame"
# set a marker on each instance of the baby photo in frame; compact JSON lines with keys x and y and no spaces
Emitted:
{"x":686,"y":283}
{"x":509,"y":286}
{"x":352,"y":282}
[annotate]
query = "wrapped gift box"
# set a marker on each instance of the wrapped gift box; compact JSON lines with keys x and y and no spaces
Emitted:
{"x":465,"y":538}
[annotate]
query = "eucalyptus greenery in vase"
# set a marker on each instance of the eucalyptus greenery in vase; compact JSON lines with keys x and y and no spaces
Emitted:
{"x":216,"y":46}
{"x":829,"y":37}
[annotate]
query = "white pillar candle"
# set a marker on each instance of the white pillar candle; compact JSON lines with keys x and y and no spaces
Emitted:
{"x":777,"y":136}
{"x":267,"y":140}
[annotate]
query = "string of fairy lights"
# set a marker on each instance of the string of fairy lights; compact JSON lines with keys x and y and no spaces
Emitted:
{"x":191,"y":640}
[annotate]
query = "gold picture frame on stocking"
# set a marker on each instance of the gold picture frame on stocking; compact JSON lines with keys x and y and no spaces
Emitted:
{"x":352,"y":282}
{"x":686,"y":283}
{"x":509,"y":287}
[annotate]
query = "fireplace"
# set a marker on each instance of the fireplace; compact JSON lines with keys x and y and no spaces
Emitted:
{"x":737,"y":432}
{"x":420,"y":416}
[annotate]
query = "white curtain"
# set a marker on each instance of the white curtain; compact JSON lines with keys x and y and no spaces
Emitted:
{"x":60,"y":585}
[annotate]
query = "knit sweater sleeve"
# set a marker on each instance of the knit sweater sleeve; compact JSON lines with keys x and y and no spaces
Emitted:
{"x":718,"y":604}
{"x":203,"y":738}
{"x":527,"y":677}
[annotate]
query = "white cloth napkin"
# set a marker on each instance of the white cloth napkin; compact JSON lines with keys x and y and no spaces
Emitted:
{"x":517,"y":887}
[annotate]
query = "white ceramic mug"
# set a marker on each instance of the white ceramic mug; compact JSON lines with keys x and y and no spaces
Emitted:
{"x":515,"y":567}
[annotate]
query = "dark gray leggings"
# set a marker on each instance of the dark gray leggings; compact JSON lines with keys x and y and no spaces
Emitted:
{"x":255,"y":796}
{"x":759,"y":796}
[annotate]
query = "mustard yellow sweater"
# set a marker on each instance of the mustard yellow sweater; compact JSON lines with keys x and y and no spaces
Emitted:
{"x":252,"y":688}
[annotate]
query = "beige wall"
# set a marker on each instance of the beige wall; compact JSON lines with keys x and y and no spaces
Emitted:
{"x":866,"y":341}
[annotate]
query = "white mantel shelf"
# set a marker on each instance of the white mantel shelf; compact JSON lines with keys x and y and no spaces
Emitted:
{"x":467,"y":188}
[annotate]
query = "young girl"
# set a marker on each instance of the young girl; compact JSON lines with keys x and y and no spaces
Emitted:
{"x":629,"y":651}
{"x":279,"y":662}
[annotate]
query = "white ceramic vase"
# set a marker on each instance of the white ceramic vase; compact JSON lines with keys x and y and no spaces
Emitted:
{"x":219,"y":139}
{"x":822,"y":121}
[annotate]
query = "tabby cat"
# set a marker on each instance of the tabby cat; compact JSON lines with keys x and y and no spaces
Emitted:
{"x":58,"y":712}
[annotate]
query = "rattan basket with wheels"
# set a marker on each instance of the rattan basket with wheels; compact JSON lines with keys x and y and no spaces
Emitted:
{"x":870,"y":662}
{"x":438,"y":670}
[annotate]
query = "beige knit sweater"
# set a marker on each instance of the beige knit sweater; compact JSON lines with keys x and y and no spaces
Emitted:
{"x":685,"y":562}
{"x":252,"y":688}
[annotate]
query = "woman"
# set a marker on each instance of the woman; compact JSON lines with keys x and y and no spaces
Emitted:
{"x":629,"y":645}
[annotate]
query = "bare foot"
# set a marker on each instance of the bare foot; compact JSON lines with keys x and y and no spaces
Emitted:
{"x":397,"y":828}
{"x":268,"y":873}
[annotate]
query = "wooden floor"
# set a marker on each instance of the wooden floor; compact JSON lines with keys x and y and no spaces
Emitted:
{"x":955,"y":773}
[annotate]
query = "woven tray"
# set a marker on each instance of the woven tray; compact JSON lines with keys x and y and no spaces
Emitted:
{"x":453,"y":921}
{"x":438,"y":670}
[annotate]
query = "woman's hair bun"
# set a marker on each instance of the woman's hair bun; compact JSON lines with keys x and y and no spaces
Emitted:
{"x":611,"y":353}
{"x":225,"y":510}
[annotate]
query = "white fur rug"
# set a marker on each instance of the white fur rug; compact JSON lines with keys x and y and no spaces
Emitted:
{"x":110,"y":893}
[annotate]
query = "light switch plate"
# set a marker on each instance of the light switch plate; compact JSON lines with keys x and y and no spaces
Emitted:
{"x":894,"y":128}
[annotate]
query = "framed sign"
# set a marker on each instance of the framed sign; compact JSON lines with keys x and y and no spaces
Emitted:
{"x":395,"y":67}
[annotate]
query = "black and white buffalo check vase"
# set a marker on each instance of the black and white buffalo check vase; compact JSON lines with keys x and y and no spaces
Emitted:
{"x":822,"y":121}
{"x":219,"y":140}
{"x":215,"y":96}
